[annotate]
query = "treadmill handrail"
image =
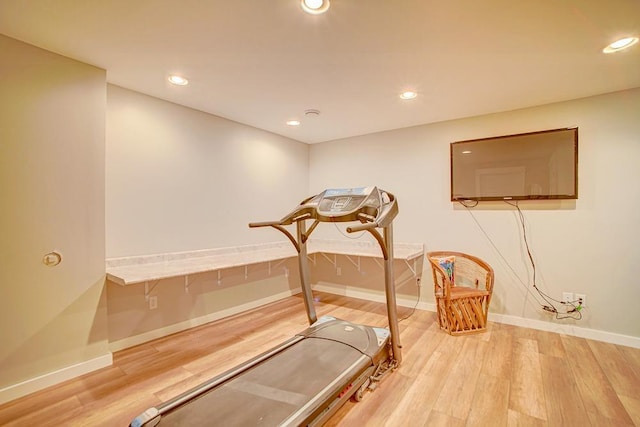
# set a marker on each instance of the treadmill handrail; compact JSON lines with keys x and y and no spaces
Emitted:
{"x":362,"y":227}
{"x":264,"y":224}
{"x":278,"y":226}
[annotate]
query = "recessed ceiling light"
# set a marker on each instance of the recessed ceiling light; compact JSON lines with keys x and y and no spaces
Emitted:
{"x":621,"y":44}
{"x":315,"y":7}
{"x":408,"y":95}
{"x":178,"y":80}
{"x":293,"y":122}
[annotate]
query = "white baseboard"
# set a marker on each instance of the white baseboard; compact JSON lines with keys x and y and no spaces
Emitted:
{"x":32,"y":385}
{"x":191,"y":323}
{"x":572,"y":330}
{"x":374,"y":296}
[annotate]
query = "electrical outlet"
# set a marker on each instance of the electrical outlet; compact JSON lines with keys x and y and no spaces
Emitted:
{"x":153,"y":302}
{"x":338,"y":271}
{"x":567,"y":297}
{"x":581,"y":299}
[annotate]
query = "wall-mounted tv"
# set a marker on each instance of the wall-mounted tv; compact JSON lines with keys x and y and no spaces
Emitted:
{"x":536,"y":165}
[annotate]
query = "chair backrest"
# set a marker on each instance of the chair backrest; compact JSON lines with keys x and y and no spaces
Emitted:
{"x":459,"y":269}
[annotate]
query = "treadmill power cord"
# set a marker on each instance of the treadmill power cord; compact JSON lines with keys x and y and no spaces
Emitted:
{"x":413,"y":310}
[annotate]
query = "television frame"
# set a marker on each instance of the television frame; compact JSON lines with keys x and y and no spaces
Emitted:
{"x":518,"y":138}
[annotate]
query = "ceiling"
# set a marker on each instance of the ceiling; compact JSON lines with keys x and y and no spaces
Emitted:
{"x":262,"y":62}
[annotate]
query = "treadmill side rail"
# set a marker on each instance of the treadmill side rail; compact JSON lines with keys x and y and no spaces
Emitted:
{"x":148,"y":418}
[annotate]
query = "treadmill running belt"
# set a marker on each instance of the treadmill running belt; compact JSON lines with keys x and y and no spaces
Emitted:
{"x":276,"y":389}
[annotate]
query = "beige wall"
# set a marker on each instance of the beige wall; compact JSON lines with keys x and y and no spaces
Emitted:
{"x":52,"y":190}
{"x":588,"y":246}
{"x":180,"y":179}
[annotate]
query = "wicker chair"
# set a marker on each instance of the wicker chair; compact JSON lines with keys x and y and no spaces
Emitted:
{"x":463,"y":287}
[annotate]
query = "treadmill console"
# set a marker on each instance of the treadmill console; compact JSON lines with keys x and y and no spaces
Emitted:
{"x":364,"y":204}
{"x":344,"y":201}
{"x":368,"y":205}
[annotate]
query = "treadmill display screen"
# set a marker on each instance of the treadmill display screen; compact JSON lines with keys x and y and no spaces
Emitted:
{"x":360,"y":191}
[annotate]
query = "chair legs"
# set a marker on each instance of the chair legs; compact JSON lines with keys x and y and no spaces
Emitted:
{"x":441,"y":309}
{"x":463,"y":315}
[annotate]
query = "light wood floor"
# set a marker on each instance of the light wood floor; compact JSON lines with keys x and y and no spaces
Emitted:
{"x":508,"y":376}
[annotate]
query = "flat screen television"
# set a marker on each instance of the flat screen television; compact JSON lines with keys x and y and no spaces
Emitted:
{"x":527,"y":166}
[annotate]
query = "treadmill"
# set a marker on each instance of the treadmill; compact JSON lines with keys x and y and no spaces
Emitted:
{"x":304,"y":380}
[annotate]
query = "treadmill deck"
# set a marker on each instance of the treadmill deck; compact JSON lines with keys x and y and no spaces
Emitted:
{"x":289,"y":386}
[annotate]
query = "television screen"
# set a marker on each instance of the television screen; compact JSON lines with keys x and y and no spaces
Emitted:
{"x":536,"y":165}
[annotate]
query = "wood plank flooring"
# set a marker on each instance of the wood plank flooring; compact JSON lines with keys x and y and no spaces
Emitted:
{"x":508,"y":376}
